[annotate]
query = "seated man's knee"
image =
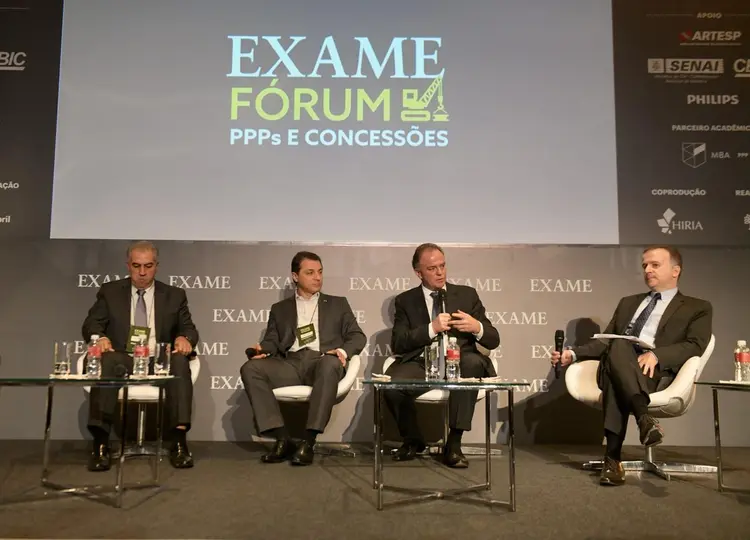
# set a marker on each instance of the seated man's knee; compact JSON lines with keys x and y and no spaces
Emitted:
{"x":472,"y":365}
{"x":250,"y":369}
{"x":329,"y":363}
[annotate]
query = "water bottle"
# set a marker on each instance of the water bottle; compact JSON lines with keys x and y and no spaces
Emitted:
{"x":140,"y":359}
{"x":742,"y":362}
{"x":94,"y":358}
{"x":452,"y":361}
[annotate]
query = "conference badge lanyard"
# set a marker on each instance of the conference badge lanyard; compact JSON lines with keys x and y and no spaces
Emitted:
{"x":306,"y":334}
{"x":137,"y":333}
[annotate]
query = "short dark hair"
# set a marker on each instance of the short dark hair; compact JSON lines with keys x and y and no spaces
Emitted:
{"x":421,"y":249}
{"x":674,"y":254}
{"x":301,"y":256}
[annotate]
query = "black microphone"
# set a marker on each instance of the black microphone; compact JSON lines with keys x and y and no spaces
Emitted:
{"x":559,"y":340}
{"x":120,"y":371}
{"x":441,"y":301}
{"x":252,"y":351}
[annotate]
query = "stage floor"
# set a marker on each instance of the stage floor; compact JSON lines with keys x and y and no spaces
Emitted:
{"x":230,"y":494}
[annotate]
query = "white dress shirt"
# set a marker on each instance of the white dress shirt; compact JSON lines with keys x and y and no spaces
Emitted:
{"x":307,"y":313}
{"x":430,"y":300}
{"x":148,"y":298}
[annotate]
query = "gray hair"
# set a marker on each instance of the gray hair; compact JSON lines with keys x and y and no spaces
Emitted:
{"x":143,"y":245}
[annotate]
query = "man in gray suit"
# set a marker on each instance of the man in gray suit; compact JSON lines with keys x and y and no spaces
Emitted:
{"x":308,"y":341}
{"x":678,"y":326}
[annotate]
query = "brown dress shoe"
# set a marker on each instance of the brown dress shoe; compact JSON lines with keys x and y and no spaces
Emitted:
{"x":613,"y":473}
{"x":650,"y":431}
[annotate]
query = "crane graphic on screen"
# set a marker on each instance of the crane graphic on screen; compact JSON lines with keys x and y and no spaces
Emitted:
{"x":415,"y":107}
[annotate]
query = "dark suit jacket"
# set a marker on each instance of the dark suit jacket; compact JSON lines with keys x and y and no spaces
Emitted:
{"x":683,"y":332}
{"x":410,"y":333}
{"x":110,"y":314}
{"x":336,"y":324}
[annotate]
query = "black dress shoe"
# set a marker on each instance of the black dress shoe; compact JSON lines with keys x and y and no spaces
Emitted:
{"x":613,"y":473}
{"x":304,"y":454}
{"x":454,"y":458}
{"x":282,"y":450}
{"x":99,"y":460}
{"x":650,"y":431}
{"x":408,"y":451}
{"x":180,"y":457}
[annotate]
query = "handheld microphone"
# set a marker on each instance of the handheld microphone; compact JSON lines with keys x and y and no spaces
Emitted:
{"x":559,"y":340}
{"x":120,"y":371}
{"x":252,"y":351}
{"x":441,"y":300}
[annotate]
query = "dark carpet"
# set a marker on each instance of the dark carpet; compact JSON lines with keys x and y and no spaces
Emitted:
{"x":230,"y":494}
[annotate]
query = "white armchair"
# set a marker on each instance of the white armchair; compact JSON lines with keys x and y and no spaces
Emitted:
{"x":142,"y":395}
{"x":439,"y":396}
{"x":673,"y":401}
{"x":301,"y":394}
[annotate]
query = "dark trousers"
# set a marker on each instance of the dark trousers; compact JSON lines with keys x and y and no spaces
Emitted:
{"x":460,"y":403}
{"x":178,"y":399}
{"x":620,"y":379}
{"x":304,"y":367}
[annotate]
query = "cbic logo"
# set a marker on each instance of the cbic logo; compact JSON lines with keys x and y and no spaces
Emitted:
{"x":12,"y":61}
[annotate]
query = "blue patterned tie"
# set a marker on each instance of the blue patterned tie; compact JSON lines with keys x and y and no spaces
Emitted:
{"x":435,"y":305}
{"x":640,"y":322}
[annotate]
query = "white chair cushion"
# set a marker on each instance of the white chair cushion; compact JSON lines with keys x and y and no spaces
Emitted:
{"x":146,"y":392}
{"x":302,"y":393}
{"x":674,"y":400}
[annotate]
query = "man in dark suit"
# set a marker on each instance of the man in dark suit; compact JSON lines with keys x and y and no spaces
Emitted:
{"x":308,"y":341}
{"x":678,"y":326}
{"x":125,"y":308}
{"x":419,"y":319}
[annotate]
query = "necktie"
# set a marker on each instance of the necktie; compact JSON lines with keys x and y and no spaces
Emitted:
{"x":435,"y":305}
{"x":141,"y":317}
{"x":640,"y":322}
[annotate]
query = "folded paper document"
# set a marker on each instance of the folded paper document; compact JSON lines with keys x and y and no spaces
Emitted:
{"x":607,"y":337}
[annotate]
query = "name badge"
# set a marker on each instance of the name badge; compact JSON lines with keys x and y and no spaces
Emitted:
{"x":306,"y":334}
{"x":135,"y":335}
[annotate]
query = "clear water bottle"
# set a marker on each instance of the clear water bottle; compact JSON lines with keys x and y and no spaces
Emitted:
{"x":140,"y":359}
{"x":94,"y":358}
{"x":742,"y":362}
{"x":452,"y":361}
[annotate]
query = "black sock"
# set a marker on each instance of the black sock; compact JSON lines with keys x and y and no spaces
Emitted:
{"x":614,"y":445}
{"x":454,"y":438}
{"x":310,"y":436}
{"x":180,"y":436}
{"x":101,"y":436}
{"x":639,"y":405}
{"x":280,"y":433}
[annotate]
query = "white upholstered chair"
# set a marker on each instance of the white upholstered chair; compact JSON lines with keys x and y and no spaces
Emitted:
{"x":673,"y":401}
{"x":142,"y":395}
{"x":438,"y":396}
{"x":301,"y":394}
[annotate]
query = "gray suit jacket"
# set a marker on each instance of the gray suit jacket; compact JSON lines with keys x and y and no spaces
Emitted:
{"x":337,"y":326}
{"x":110,"y":314}
{"x":683,"y":332}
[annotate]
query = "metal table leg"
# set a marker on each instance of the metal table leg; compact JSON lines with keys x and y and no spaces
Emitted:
{"x":511,"y":452}
{"x":47,"y":426}
{"x":119,"y":486}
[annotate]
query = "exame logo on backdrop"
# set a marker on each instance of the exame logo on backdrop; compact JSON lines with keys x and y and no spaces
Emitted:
{"x":398,"y":284}
{"x":285,"y":99}
{"x":243,"y":315}
{"x":183,"y":282}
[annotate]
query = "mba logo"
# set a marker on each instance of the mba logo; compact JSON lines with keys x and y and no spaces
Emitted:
{"x":275,"y":283}
{"x":240,"y":315}
{"x":12,"y":61}
{"x":480,"y":284}
{"x":200,"y":282}
{"x":667,"y":223}
{"x":379,"y":284}
{"x":561,"y":285}
{"x":520,"y":318}
{"x":97,"y":280}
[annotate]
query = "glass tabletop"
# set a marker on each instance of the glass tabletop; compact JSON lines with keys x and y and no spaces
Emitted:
{"x":75,"y":380}
{"x":481,"y":384}
{"x":734,"y":385}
